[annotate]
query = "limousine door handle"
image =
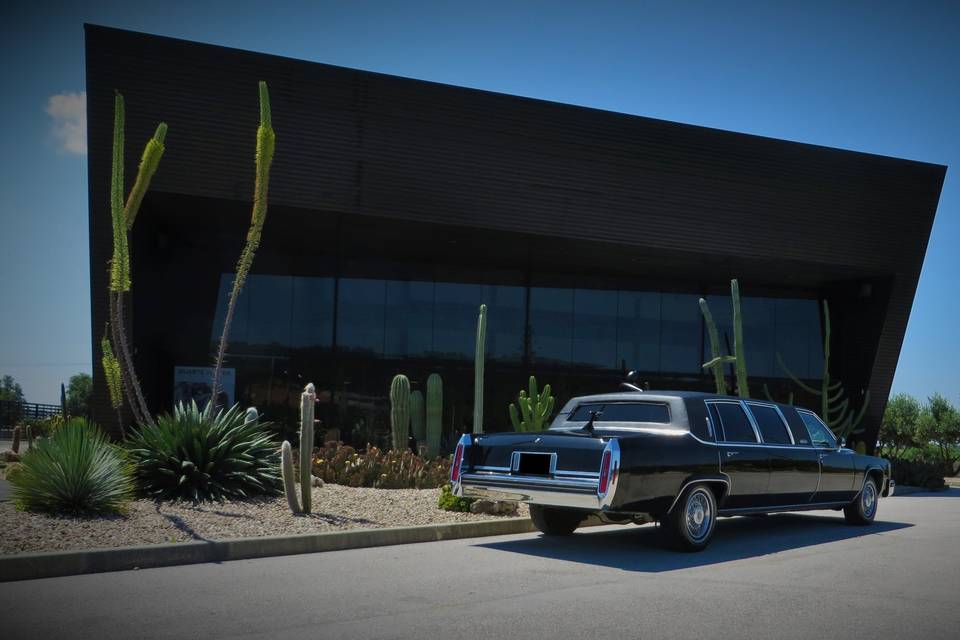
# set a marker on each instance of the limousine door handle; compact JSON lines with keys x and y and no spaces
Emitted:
{"x":732,"y":453}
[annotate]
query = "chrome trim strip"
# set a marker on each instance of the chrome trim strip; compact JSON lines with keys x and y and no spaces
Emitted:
{"x":531,"y":495}
{"x":481,"y":467}
{"x":519,"y":481}
{"x":690,"y":482}
{"x":787,"y":507}
{"x":763,"y":445}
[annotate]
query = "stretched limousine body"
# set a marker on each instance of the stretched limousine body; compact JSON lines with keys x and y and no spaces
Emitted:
{"x":681,"y":458}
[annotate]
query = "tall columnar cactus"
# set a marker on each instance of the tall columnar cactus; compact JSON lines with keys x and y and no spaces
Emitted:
{"x":835,"y":407}
{"x":123,"y":216}
{"x":251,"y":416}
{"x":308,"y":401}
{"x":418,"y":422}
{"x":743,"y":389}
{"x":15,"y":447}
{"x":434,"y":420}
{"x":29,"y":437}
{"x":399,"y":411}
{"x":738,"y":358}
{"x":289,"y":480}
{"x":535,"y":408}
{"x":266,"y":144}
{"x":478,"y":362}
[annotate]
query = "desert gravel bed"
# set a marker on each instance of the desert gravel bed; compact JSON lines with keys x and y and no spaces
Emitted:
{"x":335,"y":507}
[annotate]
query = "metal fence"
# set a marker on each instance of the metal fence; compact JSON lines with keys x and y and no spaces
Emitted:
{"x":11,"y":412}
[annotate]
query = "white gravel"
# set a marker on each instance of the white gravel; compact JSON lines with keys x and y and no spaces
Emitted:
{"x":335,"y":507}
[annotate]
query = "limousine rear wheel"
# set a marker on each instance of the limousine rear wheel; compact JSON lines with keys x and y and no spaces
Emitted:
{"x":552,"y":521}
{"x":690,"y":525}
{"x":864,"y":509}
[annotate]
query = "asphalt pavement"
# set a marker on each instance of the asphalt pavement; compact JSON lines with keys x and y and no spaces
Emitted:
{"x":786,"y":576}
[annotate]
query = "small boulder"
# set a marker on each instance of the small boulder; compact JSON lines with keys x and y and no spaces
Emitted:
{"x":315,"y":481}
{"x":493,"y":508}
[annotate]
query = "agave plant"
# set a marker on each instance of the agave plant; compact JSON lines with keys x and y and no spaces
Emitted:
{"x":194,"y":456}
{"x":74,"y":470}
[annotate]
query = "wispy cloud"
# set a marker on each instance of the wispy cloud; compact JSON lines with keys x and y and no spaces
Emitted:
{"x":69,"y":113}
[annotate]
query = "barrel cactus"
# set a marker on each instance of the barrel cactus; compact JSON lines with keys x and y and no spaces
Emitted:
{"x":434,"y":424}
{"x":399,"y":411}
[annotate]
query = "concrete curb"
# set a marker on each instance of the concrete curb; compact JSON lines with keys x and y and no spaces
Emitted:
{"x":31,"y":566}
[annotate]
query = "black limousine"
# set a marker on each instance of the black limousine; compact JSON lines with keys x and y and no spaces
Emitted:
{"x":680,"y":458}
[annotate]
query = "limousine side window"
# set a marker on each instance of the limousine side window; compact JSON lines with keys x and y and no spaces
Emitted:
{"x":771,"y":425}
{"x":623,"y":412}
{"x":819,"y":433}
{"x":734,"y":422}
{"x":797,"y":428}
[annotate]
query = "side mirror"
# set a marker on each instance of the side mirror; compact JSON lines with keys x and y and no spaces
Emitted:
{"x":841,"y":443}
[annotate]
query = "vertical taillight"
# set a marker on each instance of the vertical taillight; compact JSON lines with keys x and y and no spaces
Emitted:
{"x":457,"y":463}
{"x":604,"y":474}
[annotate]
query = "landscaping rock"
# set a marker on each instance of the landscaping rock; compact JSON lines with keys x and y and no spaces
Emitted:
{"x":493,"y":508}
{"x":9,"y":456}
{"x":316,"y":482}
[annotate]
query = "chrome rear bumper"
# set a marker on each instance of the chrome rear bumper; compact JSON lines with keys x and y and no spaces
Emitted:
{"x":571,"y":492}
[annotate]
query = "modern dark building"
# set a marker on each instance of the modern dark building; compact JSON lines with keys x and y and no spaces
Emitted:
{"x":397,"y":206}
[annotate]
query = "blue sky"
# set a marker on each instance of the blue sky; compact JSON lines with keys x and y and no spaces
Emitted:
{"x":874,"y":77}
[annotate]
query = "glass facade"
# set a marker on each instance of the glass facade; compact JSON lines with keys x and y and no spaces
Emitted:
{"x":352,"y":334}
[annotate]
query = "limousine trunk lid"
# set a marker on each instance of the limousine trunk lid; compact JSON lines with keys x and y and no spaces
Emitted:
{"x":538,"y":454}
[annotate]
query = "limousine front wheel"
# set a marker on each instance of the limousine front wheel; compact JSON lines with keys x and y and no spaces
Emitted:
{"x":552,"y":521}
{"x":690,"y":525}
{"x":864,"y":509}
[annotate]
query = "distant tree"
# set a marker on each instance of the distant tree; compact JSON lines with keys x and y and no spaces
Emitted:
{"x":898,"y":430}
{"x":10,"y":389}
{"x":939,"y":424}
{"x":78,"y":394}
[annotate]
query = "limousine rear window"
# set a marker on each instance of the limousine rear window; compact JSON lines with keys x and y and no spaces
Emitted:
{"x":734,"y":422}
{"x":623,"y":412}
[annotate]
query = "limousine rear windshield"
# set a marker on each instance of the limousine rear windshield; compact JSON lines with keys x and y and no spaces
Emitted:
{"x":622,"y":412}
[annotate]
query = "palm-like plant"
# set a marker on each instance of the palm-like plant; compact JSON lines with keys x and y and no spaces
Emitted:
{"x":194,"y":456}
{"x":74,"y":470}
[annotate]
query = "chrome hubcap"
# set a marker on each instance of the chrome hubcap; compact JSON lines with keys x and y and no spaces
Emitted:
{"x":699,"y":515}
{"x":869,"y":499}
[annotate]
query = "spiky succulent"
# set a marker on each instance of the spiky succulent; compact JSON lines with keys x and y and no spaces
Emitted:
{"x":191,"y":455}
{"x":74,"y":470}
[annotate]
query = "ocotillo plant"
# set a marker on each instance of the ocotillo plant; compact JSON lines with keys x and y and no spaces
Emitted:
{"x":418,"y":424}
{"x":535,"y":409}
{"x":478,"y":362}
{"x":266,"y":143}
{"x":122,"y":216}
{"x":304,"y":504}
{"x":738,"y":358}
{"x":111,"y":371}
{"x":434,"y":414}
{"x":834,"y":405}
{"x":399,"y":411}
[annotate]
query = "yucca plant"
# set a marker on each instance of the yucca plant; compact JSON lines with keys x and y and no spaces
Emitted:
{"x":74,"y":470}
{"x":192,"y":455}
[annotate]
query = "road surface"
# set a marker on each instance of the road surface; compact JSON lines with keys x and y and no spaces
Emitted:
{"x":786,"y":576}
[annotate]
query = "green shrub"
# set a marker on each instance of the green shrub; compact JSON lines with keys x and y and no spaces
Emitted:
{"x":919,"y":473}
{"x":450,"y":502}
{"x":192,"y":456}
{"x":338,"y":463}
{"x":75,"y":470}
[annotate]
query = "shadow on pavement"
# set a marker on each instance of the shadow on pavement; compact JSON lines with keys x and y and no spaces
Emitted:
{"x":640,"y":549}
{"x":950,"y":492}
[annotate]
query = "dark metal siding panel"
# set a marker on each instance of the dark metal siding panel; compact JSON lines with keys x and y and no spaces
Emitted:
{"x":362,"y":143}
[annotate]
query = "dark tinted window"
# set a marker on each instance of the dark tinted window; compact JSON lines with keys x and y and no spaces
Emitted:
{"x":797,"y":428}
{"x":735,"y":424}
{"x":551,"y":325}
{"x":594,"y":328}
{"x":770,"y":423}
{"x":819,"y":433}
{"x":680,"y":333}
{"x":623,"y":412}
